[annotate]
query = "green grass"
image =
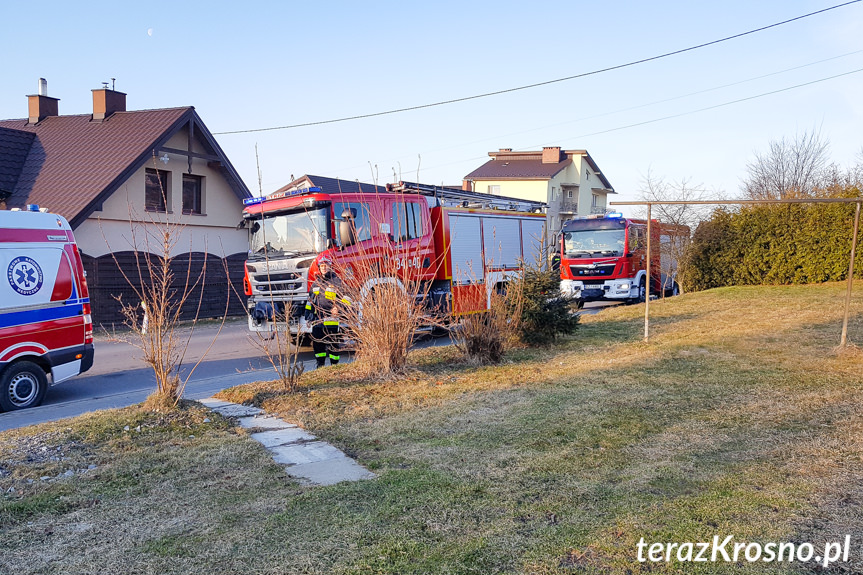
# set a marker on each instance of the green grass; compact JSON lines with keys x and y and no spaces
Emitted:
{"x":738,"y":418}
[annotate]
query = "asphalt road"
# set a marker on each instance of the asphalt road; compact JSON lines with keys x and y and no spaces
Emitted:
{"x":119,"y":377}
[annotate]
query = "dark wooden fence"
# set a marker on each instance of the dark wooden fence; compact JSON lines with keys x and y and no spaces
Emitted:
{"x":107,"y":282}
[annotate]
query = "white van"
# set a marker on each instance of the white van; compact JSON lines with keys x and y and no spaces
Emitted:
{"x":46,"y":331}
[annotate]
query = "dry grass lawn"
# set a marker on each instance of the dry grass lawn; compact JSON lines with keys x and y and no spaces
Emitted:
{"x":738,"y":418}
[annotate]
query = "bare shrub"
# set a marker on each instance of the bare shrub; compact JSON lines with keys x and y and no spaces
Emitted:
{"x":389,"y":300}
{"x":161,"y":294}
{"x":281,"y":347}
{"x":484,"y":337}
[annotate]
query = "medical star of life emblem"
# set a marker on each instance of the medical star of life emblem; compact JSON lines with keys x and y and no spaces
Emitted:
{"x":24,"y":275}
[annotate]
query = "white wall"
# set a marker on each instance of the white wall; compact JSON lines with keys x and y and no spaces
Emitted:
{"x":214,"y":231}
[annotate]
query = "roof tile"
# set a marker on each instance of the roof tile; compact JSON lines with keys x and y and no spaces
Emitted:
{"x":72,"y":159}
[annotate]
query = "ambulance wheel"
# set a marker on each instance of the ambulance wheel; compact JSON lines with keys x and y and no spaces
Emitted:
{"x":23,"y":384}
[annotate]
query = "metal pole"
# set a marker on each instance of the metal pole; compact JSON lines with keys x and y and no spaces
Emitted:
{"x":647,"y":286}
{"x":850,"y":277}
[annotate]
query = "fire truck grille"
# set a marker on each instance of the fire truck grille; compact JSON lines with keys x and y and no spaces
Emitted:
{"x":274,"y":277}
{"x":277,"y":287}
{"x":592,"y":270}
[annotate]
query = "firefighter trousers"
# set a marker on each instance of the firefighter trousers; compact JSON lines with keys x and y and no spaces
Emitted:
{"x":326,"y":342}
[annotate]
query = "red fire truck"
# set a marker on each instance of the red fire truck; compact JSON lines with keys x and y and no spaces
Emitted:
{"x":605,"y":258}
{"x":464,"y":244}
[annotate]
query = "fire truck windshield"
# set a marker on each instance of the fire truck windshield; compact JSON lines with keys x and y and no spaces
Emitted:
{"x":587,"y":243}
{"x":294,"y":233}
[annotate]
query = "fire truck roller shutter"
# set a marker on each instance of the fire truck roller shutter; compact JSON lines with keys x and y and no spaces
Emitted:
{"x":466,"y":248}
{"x":502,"y":242}
{"x":533,"y":240}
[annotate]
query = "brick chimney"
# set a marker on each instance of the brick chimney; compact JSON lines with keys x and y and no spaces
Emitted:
{"x":40,"y":105}
{"x":467,"y":185}
{"x":551,"y":155}
{"x":106,"y":102}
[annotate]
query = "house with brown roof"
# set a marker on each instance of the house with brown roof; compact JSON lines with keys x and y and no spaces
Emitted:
{"x":115,"y":175}
{"x":569,"y":181}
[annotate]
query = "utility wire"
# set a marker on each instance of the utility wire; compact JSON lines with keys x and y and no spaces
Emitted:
{"x":780,"y":90}
{"x":659,"y":102}
{"x":538,"y":84}
{"x":672,"y":116}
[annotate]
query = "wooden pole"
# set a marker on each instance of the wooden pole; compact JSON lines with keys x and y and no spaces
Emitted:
{"x":843,"y":339}
{"x":647,"y":286}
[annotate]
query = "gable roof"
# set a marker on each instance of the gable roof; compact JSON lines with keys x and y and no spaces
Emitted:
{"x":331,"y":185}
{"x":504,"y":168}
{"x":75,"y":163}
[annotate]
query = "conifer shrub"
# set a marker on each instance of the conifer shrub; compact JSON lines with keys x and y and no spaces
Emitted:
{"x":545,"y":312}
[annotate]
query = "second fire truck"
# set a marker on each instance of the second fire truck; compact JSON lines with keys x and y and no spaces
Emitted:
{"x":605,"y":258}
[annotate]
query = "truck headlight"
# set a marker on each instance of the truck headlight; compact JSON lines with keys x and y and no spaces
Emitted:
{"x":623,"y":287}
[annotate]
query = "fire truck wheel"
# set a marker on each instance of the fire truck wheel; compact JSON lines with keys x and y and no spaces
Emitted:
{"x":642,"y":291}
{"x":23,"y":384}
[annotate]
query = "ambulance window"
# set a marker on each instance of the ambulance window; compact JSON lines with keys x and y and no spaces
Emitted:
{"x":63,"y":283}
{"x":156,"y":193}
{"x":407,"y":221}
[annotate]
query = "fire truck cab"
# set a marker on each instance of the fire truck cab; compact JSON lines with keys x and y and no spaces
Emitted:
{"x":46,"y":331}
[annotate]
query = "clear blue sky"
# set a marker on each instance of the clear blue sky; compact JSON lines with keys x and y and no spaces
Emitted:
{"x":248,"y":65}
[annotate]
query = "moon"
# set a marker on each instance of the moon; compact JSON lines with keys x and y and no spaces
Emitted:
{"x":149,"y":31}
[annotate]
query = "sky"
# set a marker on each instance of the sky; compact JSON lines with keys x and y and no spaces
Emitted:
{"x":700,"y":115}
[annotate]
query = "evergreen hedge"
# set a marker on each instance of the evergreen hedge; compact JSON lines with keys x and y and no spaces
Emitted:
{"x":773,"y":244}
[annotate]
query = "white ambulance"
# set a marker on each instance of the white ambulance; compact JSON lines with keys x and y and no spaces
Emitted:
{"x":46,"y":331}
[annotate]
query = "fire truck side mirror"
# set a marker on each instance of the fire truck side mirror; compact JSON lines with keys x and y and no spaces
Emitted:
{"x":346,"y":233}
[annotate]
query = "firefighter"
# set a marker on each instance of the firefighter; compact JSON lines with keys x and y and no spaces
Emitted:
{"x":323,"y":309}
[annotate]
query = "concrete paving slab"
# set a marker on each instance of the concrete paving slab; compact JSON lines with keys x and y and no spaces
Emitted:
{"x":305,"y":453}
{"x":213,"y":403}
{"x":236,"y":410}
{"x":330,"y":471}
{"x":312,"y":462}
{"x":263,"y":421}
{"x":280,"y":437}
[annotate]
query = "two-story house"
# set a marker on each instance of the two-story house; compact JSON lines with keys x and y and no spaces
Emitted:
{"x":118,"y":176}
{"x":569,"y":181}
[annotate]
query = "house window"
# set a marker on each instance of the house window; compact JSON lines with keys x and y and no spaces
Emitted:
{"x":193,"y":192}
{"x":407,"y":221}
{"x":554,"y":194}
{"x":157,"y":193}
{"x":569,"y":193}
{"x":494,"y":190}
